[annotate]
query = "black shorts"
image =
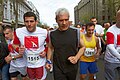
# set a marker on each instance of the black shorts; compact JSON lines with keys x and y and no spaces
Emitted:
{"x":15,"y":74}
{"x":60,"y":75}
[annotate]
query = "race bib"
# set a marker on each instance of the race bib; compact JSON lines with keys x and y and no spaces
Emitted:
{"x":33,"y":57}
{"x":89,"y":52}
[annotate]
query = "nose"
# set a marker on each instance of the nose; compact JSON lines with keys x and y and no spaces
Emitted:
{"x":64,"y":22}
{"x":29,"y":23}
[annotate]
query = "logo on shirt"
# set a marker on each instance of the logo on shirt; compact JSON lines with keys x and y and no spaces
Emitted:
{"x":31,"y":41}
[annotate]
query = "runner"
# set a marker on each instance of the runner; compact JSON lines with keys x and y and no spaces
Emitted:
{"x":87,"y":61}
{"x":31,"y":40}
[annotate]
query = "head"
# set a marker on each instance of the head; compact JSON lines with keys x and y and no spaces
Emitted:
{"x":118,"y":19}
{"x":106,"y":25}
{"x":30,"y":21}
{"x":62,"y":18}
{"x":78,"y":26}
{"x":8,"y":32}
{"x":90,"y":29}
{"x":93,"y":20}
{"x":83,"y":26}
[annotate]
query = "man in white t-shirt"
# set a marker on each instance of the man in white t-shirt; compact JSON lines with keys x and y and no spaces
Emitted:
{"x":16,"y":60}
{"x":99,"y":32}
{"x":32,"y":40}
{"x":112,"y":54}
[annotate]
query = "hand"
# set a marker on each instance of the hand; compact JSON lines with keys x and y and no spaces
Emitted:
{"x":21,"y":49}
{"x":8,"y":59}
{"x":96,"y":56}
{"x":43,"y":54}
{"x":73,"y":59}
{"x":48,"y":66}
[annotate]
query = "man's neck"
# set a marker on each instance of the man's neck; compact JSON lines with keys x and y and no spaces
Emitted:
{"x":118,"y":25}
{"x":63,"y":28}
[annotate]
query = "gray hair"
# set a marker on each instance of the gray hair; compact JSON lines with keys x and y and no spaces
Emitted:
{"x":61,"y":11}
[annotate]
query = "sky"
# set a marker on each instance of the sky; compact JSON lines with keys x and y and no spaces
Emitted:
{"x":47,"y":8}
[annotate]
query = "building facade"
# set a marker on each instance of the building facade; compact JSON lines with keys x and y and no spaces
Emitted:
{"x":103,"y":10}
{"x":13,"y":11}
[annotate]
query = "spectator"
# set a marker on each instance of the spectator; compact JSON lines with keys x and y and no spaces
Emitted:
{"x":4,"y":67}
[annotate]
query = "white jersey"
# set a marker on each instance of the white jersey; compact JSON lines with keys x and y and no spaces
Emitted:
{"x":34,"y":44}
{"x":99,"y":30}
{"x":19,"y":62}
{"x":113,"y":38}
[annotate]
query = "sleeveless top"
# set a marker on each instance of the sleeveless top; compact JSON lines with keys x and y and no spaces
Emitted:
{"x":65,"y":44}
{"x":89,"y":52}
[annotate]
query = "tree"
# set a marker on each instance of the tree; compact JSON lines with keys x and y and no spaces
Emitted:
{"x":113,"y":6}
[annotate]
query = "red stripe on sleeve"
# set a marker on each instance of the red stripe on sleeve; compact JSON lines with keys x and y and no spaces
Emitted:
{"x":16,"y":40}
{"x":110,"y":38}
{"x":118,"y":39}
{"x":47,"y":39}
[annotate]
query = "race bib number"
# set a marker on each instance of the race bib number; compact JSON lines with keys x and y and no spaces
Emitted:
{"x":33,"y":57}
{"x":89,"y":52}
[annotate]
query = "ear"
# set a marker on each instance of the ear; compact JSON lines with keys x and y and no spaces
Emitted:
{"x":36,"y":21}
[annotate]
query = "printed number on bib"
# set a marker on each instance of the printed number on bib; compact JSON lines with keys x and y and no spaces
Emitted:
{"x":33,"y":58}
{"x":89,"y":52}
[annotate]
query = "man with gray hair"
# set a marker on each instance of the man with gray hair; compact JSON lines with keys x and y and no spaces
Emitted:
{"x":64,"y":46}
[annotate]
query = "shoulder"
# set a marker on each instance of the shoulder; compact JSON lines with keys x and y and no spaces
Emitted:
{"x":112,"y":29}
{"x":41,"y":30}
{"x":74,"y":28}
{"x":98,"y":26}
{"x":20,"y":29}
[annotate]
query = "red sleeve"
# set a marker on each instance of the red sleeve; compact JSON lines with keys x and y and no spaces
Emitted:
{"x":110,"y":38}
{"x":10,"y":48}
{"x":16,"y":40}
{"x":47,"y":41}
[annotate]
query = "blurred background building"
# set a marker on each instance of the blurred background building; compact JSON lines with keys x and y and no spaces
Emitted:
{"x":11,"y":11}
{"x":103,"y":10}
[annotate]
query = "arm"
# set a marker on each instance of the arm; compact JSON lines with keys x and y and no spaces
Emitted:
{"x":49,"y":54}
{"x":74,"y":59}
{"x":43,"y":53}
{"x":98,"y":47}
{"x":111,"y":46}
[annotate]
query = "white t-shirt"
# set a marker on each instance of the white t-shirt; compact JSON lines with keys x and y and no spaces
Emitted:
{"x":34,"y":44}
{"x":99,"y":30}
{"x":19,"y":62}
{"x":113,"y":38}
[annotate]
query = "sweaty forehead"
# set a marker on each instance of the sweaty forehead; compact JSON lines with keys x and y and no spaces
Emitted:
{"x":29,"y":18}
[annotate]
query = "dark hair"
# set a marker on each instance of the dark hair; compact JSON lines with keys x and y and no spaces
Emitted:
{"x":7,"y":27}
{"x":92,"y":18}
{"x":89,"y":24}
{"x":29,"y":14}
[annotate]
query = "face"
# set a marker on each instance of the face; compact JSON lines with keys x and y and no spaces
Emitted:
{"x":94,"y":21}
{"x":30,"y":24}
{"x":8,"y":34}
{"x":63,"y":20}
{"x":90,"y":30}
{"x":106,"y":25}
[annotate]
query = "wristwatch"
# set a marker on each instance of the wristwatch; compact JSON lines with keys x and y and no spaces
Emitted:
{"x":13,"y":57}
